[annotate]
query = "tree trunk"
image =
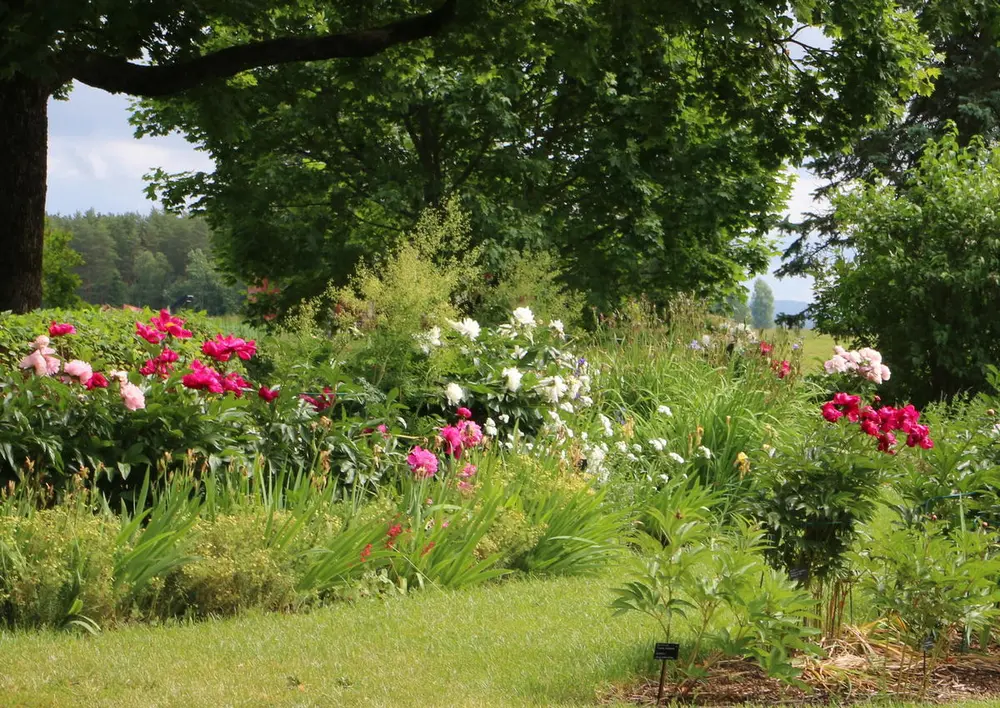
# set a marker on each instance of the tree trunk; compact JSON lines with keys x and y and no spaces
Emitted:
{"x":23,"y":164}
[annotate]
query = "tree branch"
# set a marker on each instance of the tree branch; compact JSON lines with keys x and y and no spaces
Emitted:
{"x":121,"y":76}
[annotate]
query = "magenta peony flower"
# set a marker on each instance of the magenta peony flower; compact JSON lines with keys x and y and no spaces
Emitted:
{"x":203,"y":378}
{"x":268,"y":394}
{"x":57,"y":329}
{"x":423,"y":463}
{"x":174,"y":326}
{"x":234,"y":383}
{"x":98,"y":380}
{"x":471,"y":433}
{"x":148,"y":333}
{"x":463,"y":413}
{"x":468,"y":471}
{"x":223,"y":347}
{"x":452,"y":437}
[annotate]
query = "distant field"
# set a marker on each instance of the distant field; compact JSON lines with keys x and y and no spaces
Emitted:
{"x":816,"y":348}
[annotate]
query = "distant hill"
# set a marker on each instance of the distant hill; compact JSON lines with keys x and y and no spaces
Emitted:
{"x":791,"y":307}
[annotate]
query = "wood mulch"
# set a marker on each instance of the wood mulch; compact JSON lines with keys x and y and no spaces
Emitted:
{"x":855,"y":670}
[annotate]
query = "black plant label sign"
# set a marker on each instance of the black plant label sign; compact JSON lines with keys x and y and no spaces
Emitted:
{"x":927,"y":644}
{"x":664,"y":651}
{"x":799,"y":573}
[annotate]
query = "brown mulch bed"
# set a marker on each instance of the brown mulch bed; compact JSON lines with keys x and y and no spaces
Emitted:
{"x":853,"y":672}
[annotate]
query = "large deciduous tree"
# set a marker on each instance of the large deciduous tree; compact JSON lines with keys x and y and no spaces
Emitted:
{"x":151,"y":48}
{"x":646,"y":140}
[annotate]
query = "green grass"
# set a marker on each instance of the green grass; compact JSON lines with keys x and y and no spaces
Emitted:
{"x":816,"y":347}
{"x":551,"y":642}
{"x":523,"y":643}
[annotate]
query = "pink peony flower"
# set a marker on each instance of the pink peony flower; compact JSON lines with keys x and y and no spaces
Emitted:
{"x":468,"y":471}
{"x":203,"y":378}
{"x":223,"y":347}
{"x":148,"y":333}
{"x":234,"y":383}
{"x":765,"y":348}
{"x":132,"y":396}
{"x":463,"y":413}
{"x":268,"y":394}
{"x":79,"y":370}
{"x":162,"y":364}
{"x":452,"y":437}
{"x":174,"y":326}
{"x":321,"y":402}
{"x":471,"y":433}
{"x":423,"y":463}
{"x":57,"y":329}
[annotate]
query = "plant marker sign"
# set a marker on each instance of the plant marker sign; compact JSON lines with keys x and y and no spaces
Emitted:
{"x":664,"y":651}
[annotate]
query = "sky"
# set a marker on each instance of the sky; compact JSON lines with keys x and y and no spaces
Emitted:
{"x":95,"y":162}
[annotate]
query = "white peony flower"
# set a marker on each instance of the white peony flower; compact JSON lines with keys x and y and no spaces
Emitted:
{"x":664,"y":410}
{"x":490,"y":427}
{"x":557,"y":327}
{"x":467,"y":328}
{"x":429,"y":339}
{"x":553,"y":388}
{"x":454,"y":393}
{"x":504,"y":418}
{"x":524,"y":317}
{"x":513,"y":376}
{"x":676,"y":458}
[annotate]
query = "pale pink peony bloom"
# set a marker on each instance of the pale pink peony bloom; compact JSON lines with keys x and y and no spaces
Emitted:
{"x":79,"y":370}
{"x":132,"y":396}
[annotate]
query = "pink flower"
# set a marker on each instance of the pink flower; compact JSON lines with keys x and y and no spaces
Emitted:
{"x":234,"y":383}
{"x":203,"y":378}
{"x":471,"y":433}
{"x":268,"y":394}
{"x":831,"y":412}
{"x":468,"y":471}
{"x":174,"y":326}
{"x":765,"y":348}
{"x":162,"y":364}
{"x":132,"y":396}
{"x":782,"y":368}
{"x":42,"y":364}
{"x":452,"y":437}
{"x":151,"y":335}
{"x":463,"y":413}
{"x":79,"y":370}
{"x":423,"y":463}
{"x":323,"y":401}
{"x":96,"y":381}
{"x":57,"y":329}
{"x":223,"y":347}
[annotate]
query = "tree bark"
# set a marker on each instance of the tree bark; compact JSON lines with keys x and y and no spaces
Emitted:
{"x":23,"y":165}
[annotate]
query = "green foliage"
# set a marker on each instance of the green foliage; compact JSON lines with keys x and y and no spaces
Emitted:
{"x":646,"y":146}
{"x":59,"y":282}
{"x":532,"y":279}
{"x":920,"y":278}
{"x":762,"y":305}
{"x":813,"y":495}
{"x":714,"y":579}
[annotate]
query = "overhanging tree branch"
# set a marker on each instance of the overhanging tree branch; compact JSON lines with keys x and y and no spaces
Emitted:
{"x":121,"y":76}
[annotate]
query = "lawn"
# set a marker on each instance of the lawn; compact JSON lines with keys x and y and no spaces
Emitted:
{"x":522,"y":643}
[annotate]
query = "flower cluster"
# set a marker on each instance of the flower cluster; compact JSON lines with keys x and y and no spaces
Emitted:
{"x":205,"y":378}
{"x":161,"y":365}
{"x":223,"y":347}
{"x":881,"y":423}
{"x":865,"y":363}
{"x":162,"y":326}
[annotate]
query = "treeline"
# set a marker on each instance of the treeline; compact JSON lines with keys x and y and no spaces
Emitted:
{"x":115,"y":259}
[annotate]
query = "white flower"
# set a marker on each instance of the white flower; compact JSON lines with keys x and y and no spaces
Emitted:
{"x":490,"y":427}
{"x":584,"y":435}
{"x":553,"y":388}
{"x":664,"y":410}
{"x":524,"y":317}
{"x":676,"y":458}
{"x":513,"y":377}
{"x":705,"y":452}
{"x":557,"y":327}
{"x":586,"y":401}
{"x":467,"y":328}
{"x":429,"y":339}
{"x":454,"y":393}
{"x":705,"y":340}
{"x":519,"y":352}
{"x":566,"y":406}
{"x":622,"y":446}
{"x":658,"y":444}
{"x":631,"y":458}
{"x":637,"y":447}
{"x":606,"y":424}
{"x":504,"y":418}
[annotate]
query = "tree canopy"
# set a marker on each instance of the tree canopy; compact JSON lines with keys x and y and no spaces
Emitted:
{"x":646,"y":142}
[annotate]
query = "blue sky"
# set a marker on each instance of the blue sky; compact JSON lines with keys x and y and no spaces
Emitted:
{"x":96,"y":163}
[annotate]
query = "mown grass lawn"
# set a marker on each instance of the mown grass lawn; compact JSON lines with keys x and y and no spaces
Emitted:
{"x":523,"y":643}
